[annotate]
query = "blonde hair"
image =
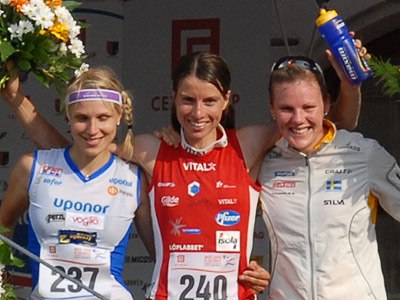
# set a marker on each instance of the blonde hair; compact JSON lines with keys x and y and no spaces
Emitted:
{"x":105,"y":78}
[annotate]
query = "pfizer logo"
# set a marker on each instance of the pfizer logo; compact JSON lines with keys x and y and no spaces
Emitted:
{"x":227,"y":218}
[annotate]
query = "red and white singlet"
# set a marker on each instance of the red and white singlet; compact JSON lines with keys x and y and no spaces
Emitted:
{"x":203,"y":210}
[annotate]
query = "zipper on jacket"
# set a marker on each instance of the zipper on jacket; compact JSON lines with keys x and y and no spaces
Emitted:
{"x":309,"y":229}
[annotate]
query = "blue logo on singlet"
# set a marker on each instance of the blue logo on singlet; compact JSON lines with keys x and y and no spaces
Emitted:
{"x":227,"y":218}
{"x":119,"y":181}
{"x":80,"y":206}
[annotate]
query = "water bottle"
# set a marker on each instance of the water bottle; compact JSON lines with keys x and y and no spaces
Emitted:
{"x":342,"y":45}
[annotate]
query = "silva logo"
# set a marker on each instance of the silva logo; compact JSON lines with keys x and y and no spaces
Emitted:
{"x":227,"y":218}
{"x":334,"y":202}
{"x":199,"y":167}
{"x":193,"y":188}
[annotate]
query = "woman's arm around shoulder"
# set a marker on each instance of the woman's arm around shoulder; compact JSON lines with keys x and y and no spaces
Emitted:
{"x":146,"y":148}
{"x":255,"y":140}
{"x":16,"y":199}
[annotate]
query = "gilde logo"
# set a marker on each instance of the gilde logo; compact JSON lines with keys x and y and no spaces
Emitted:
{"x":170,"y":201}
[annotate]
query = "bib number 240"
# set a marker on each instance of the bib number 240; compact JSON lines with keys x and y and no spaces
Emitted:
{"x":206,"y":289}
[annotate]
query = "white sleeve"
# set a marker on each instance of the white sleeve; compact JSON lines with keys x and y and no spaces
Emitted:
{"x":384,"y":179}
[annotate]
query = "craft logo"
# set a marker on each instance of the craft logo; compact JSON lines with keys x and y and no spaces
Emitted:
{"x":112,"y":48}
{"x":4,"y":158}
{"x":189,"y":36}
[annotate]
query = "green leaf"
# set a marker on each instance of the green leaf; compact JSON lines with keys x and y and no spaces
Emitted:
{"x":388,"y":75}
{"x":71,"y":5}
{"x":4,"y":229}
{"x":24,"y":64}
{"x":6,"y":50}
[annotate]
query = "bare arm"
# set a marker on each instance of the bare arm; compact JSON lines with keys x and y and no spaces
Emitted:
{"x":143,"y":219}
{"x":43,"y":134}
{"x":16,"y":199}
{"x":346,"y":111}
{"x":145,"y":152}
{"x":255,"y":140}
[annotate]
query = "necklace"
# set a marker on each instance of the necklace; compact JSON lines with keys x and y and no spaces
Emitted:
{"x":220,"y":143}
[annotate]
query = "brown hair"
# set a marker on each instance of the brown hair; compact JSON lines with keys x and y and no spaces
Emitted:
{"x":210,"y":68}
{"x":293,"y":73}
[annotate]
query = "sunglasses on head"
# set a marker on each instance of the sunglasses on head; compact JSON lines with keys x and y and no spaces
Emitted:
{"x":300,"y":61}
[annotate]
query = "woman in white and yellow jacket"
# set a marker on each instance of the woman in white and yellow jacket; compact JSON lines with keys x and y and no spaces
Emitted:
{"x":321,"y":189}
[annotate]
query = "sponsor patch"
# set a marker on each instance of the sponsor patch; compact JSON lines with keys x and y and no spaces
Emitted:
{"x":84,"y":221}
{"x":77,"y":237}
{"x":193,"y":188}
{"x":228,"y":241}
{"x":227,"y":218}
{"x":55,"y":218}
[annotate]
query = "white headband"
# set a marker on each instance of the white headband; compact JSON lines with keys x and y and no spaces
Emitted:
{"x":94,"y":95}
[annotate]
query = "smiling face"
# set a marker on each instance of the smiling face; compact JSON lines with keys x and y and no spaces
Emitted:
{"x":199,"y":106}
{"x":299,"y":109}
{"x":93,"y":126}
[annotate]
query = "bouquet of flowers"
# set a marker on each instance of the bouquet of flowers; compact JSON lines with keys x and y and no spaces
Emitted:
{"x":40,"y":37}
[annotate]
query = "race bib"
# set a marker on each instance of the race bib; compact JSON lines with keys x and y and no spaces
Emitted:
{"x":202,"y":275}
{"x":89,"y":265}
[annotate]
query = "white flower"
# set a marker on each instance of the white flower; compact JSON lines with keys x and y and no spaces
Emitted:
{"x":1,"y":12}
{"x":83,"y":68}
{"x":39,"y":12}
{"x":6,"y":2}
{"x":76,"y":47}
{"x":63,"y":15}
{"x":18,"y":30}
{"x":63,"y":48}
{"x":26,"y":26}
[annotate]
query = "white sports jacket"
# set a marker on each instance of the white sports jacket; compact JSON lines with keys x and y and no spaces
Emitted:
{"x":320,"y":211}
